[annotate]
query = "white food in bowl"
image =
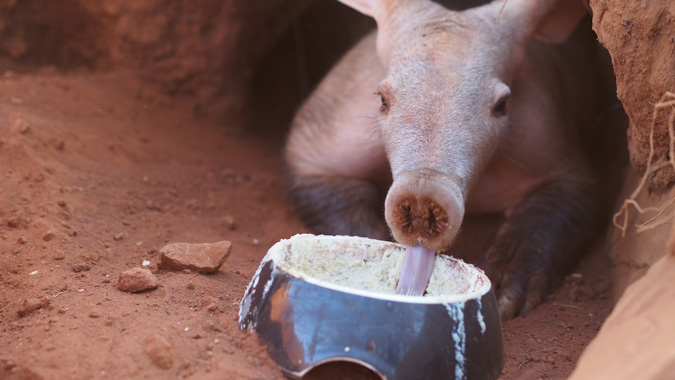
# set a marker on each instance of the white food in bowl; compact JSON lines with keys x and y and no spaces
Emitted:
{"x":371,"y":268}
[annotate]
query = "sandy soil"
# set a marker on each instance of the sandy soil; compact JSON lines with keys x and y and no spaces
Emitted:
{"x":98,"y":172}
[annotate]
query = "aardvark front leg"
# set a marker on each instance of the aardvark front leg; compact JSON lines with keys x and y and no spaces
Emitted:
{"x":540,"y":242}
{"x":340,"y":205}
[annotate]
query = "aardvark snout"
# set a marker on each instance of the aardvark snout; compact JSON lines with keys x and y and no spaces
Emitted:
{"x":424,"y":209}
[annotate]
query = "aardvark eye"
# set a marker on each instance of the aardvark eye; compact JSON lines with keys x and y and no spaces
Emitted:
{"x":385,"y":106}
{"x":499,"y":109}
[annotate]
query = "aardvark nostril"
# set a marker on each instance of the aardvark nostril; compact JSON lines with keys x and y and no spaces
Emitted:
{"x":420,"y":218}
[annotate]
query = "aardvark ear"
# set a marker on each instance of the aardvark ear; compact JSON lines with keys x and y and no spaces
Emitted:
{"x":551,"y":21}
{"x":381,"y":11}
{"x":557,"y":25}
{"x":377,"y":9}
{"x":367,"y":7}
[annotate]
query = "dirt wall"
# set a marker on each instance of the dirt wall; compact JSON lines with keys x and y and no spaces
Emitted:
{"x":640,"y":36}
{"x":208,"y":48}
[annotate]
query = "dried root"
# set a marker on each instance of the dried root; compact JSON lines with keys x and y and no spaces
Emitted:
{"x":621,"y":217}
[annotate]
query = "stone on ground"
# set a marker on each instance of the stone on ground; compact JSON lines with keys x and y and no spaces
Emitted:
{"x":136,"y":280}
{"x":202,"y":258}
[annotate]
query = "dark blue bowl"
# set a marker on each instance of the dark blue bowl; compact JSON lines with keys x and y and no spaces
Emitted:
{"x":320,"y":299}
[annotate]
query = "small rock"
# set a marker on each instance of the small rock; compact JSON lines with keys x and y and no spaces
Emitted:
{"x":207,"y":300}
{"x":212,"y":307}
{"x":21,"y":126}
{"x":30,"y":305}
{"x":160,"y":351}
{"x":94,"y":314}
{"x":22,"y":240}
{"x":203,"y":258}
{"x":136,"y":280}
{"x":119,"y":236}
{"x":210,"y":303}
{"x":61,"y":203}
{"x":228,"y":222}
{"x":50,"y":235}
{"x":187,"y":271}
{"x":58,"y":255}
{"x":80,"y":267}
{"x":151,"y":205}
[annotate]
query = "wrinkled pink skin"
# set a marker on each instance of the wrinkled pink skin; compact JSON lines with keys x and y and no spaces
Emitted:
{"x":450,"y":113}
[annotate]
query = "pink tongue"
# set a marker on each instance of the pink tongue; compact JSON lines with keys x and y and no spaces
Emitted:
{"x":418,"y":264}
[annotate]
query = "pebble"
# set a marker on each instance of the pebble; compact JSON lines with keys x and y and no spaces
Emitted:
{"x":119,"y":236}
{"x":30,"y":305}
{"x":207,"y":300}
{"x":50,"y":235}
{"x":212,"y":307}
{"x":22,"y":240}
{"x":202,"y":258}
{"x":160,"y":351}
{"x":21,"y":126}
{"x":80,"y":267}
{"x":229,"y":223}
{"x":136,"y":280}
{"x":210,"y":303}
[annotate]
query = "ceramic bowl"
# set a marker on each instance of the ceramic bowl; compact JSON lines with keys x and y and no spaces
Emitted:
{"x":320,"y":299}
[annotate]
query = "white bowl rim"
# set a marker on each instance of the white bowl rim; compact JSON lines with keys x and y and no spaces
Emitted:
{"x":276,"y":251}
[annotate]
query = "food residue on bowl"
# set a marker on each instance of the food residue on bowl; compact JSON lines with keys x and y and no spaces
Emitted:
{"x":370,"y":265}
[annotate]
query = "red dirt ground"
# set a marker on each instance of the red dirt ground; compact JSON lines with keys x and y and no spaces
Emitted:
{"x":98,"y":171}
